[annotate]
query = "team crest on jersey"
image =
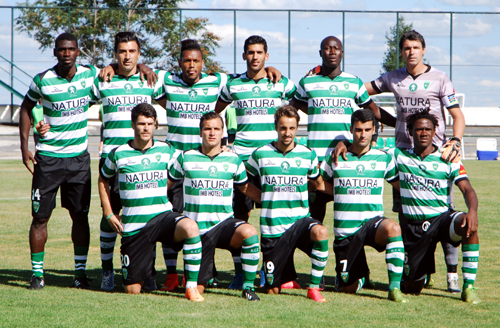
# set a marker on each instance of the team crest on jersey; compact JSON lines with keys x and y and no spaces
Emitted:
{"x":83,"y":84}
{"x":269,"y":86}
{"x":333,"y":89}
{"x":205,"y":91}
{"x":158,"y":157}
{"x":373,"y":164}
{"x":285,"y":166}
{"x":360,"y":169}
{"x":212,"y":170}
{"x":193,"y":94}
{"x":145,"y":162}
{"x":407,"y":269}
{"x":413,"y":87}
{"x":256,"y":90}
{"x":298,"y":160}
{"x":72,"y":90}
{"x":346,"y":86}
{"x":128,"y":88}
{"x":345,"y":276}
{"x":435,"y":166}
{"x":426,"y":84}
{"x":422,"y":167}
{"x":226,"y":167}
{"x":36,"y":206}
{"x":125,"y":273}
{"x":141,"y":84}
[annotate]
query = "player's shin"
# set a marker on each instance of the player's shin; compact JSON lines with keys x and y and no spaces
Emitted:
{"x":319,"y":257}
{"x":170,"y":257}
{"x":192,"y":259}
{"x":81,"y":253}
{"x":37,"y":263}
{"x":250,"y":256}
{"x":394,"y":257}
{"x":107,"y":243}
{"x":470,"y":256}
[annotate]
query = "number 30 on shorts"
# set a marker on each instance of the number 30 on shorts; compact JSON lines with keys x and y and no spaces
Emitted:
{"x":125,"y":260}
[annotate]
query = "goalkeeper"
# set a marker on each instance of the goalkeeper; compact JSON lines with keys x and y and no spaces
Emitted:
{"x":419,"y":87}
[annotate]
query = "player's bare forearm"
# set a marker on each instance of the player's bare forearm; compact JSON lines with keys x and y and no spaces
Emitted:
{"x":220,"y":106}
{"x":251,"y":192}
{"x":469,"y":193}
{"x":24,"y":131}
{"x":103,"y":186}
{"x":382,"y":115}
{"x":324,"y":186}
{"x":396,"y":185}
{"x":300,"y":105}
{"x":458,"y":122}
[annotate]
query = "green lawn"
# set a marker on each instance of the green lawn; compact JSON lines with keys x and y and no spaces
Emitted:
{"x":58,"y":305}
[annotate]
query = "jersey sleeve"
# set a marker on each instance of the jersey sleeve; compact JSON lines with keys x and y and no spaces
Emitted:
{"x":392,"y":152}
{"x":252,"y":165}
{"x":380,"y":84}
{"x":176,"y":169}
{"x":362,"y":98}
{"x":301,"y":94}
{"x":290,"y":89}
{"x":225,"y":94}
{"x":109,"y":168}
{"x":162,"y":92}
{"x":34,"y":92}
{"x":447,"y":93}
{"x":390,"y":173}
{"x":313,"y":172}
{"x":159,"y":88}
{"x":458,"y":172}
{"x":240,"y":176}
{"x":327,"y":167}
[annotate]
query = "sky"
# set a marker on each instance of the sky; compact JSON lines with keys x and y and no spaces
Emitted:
{"x":475,"y":48}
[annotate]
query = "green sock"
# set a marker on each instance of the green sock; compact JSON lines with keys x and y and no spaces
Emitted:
{"x":81,"y":253}
{"x":37,"y":263}
{"x":107,"y":243}
{"x":470,"y":259}
{"x":237,"y":260}
{"x":319,"y":257}
{"x":250,"y":255}
{"x":395,"y":257}
{"x":170,"y":258}
{"x":361,"y":283}
{"x":191,"y":252}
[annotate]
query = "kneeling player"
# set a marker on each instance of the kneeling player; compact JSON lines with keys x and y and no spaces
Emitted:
{"x":284,"y":168}
{"x":358,"y":208}
{"x":209,"y":175}
{"x":142,"y":166}
{"x":427,"y":218}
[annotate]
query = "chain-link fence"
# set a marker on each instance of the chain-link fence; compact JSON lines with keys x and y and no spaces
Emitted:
{"x":464,"y":45}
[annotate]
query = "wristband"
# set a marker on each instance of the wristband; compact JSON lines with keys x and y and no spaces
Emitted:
{"x":109,"y":216}
{"x":457,"y":139}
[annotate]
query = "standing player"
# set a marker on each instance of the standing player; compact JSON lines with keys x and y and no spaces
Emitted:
{"x":186,"y":97}
{"x":427,"y":217}
{"x":358,"y":189}
{"x":256,"y":99}
{"x":209,"y":177}
{"x":329,"y":97}
{"x":62,"y":159}
{"x":284,"y":169}
{"x":418,"y":87}
{"x":119,"y":96}
{"x":142,"y":166}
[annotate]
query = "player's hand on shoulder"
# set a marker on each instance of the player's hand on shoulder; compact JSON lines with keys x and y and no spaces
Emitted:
{"x":107,"y":73}
{"x":450,"y":152}
{"x":148,"y":74}
{"x":340,"y":149}
{"x":273,"y":74}
{"x":227,"y":148}
{"x":42,"y":128}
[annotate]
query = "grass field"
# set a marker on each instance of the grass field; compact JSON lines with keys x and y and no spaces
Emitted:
{"x":57,"y":305}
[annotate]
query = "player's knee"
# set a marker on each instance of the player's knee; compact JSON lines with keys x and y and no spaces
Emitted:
{"x":393,"y":229}
{"x":190,"y":227}
{"x":247,"y":230}
{"x":319,"y":232}
{"x":81,"y":217}
{"x":134,"y":289}
{"x":38,"y":223}
{"x":352,"y":289}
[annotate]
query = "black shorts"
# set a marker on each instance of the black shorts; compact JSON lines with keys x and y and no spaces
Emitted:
{"x":114,"y":189}
{"x":241,"y":203}
{"x":350,"y":257}
{"x":278,"y":252}
{"x":138,"y":251}
{"x":72,"y":174}
{"x":420,"y":239}
{"x":176,"y":196}
{"x":218,"y":237}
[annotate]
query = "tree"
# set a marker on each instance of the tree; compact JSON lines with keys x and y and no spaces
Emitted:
{"x":392,"y":39}
{"x":95,"y":22}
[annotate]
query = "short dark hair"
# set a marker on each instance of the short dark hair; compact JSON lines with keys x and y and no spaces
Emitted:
{"x":190,"y":44}
{"x":126,"y":37}
{"x":143,"y":109}
{"x":288,"y":111}
{"x":410,"y":120}
{"x":363,"y":116}
{"x":210,"y":116}
{"x":255,"y":39}
{"x":412,"y":36}
{"x":65,"y":37}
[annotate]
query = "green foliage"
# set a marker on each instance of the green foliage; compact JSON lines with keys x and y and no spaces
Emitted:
{"x":392,"y":39}
{"x":96,"y":22}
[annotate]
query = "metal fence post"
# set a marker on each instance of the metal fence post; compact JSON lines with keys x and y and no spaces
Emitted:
{"x":69,"y":19}
{"x":343,"y":40}
{"x":397,"y":40}
{"x":289,"y":42}
{"x":451,"y":46}
{"x":180,"y":25}
{"x":234,"y":70}
{"x":12,"y":64}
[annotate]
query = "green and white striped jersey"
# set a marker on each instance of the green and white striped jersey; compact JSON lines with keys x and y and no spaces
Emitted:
{"x":118,"y":98}
{"x":358,"y":186}
{"x":283,"y":176}
{"x":426,"y":184}
{"x":187,"y":104}
{"x":65,"y":108}
{"x":256,"y":102}
{"x":143,"y":176}
{"x":331,"y":103}
{"x":208,"y":185}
